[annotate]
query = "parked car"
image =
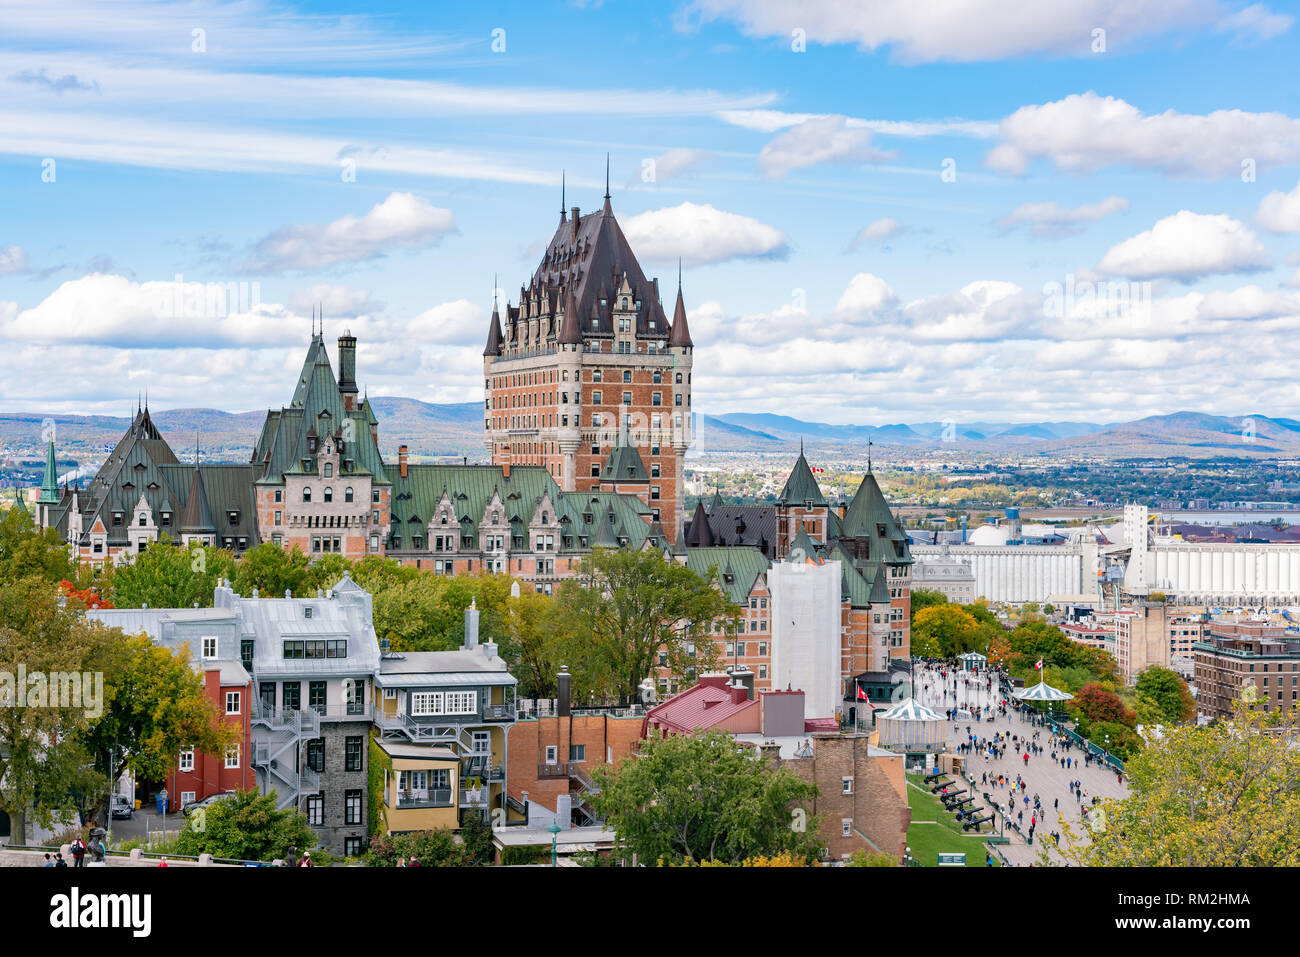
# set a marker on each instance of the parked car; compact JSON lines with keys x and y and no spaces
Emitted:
{"x":122,"y":807}
{"x":207,"y":801}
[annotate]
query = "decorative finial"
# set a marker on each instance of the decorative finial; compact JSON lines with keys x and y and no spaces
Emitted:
{"x":563,"y":208}
{"x":607,"y":176}
{"x":869,"y":444}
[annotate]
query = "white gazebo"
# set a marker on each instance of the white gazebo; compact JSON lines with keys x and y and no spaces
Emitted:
{"x":910,"y":726}
{"x":1042,"y":692}
{"x":973,"y":660}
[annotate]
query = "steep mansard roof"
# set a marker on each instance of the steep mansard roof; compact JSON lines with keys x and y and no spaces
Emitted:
{"x":474,"y":492}
{"x":586,"y":261}
{"x":739,"y":566}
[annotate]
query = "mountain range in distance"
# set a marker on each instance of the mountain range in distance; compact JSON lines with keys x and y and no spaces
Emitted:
{"x":455,"y":430}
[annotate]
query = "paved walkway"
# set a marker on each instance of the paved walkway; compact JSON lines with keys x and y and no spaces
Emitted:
{"x":1042,"y":775}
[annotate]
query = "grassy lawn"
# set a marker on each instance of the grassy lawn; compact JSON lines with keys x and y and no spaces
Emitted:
{"x":928,"y":840}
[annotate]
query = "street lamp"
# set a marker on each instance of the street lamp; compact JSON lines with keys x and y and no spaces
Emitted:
{"x":555,"y":836}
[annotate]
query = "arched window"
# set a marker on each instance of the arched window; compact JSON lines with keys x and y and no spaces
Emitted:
{"x":329,"y":494}
{"x":306,"y":493}
{"x":347,"y":494}
{"x":329,"y":469}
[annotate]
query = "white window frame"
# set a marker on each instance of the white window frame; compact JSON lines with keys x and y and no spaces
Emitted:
{"x":204,"y":643}
{"x":233,"y":755}
{"x":185,"y":763}
{"x":187,"y":798}
{"x":846,"y":785}
{"x":424,"y":703}
{"x":552,"y":754}
{"x":234,"y":698}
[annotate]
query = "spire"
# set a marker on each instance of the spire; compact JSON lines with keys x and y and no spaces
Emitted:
{"x":608,"y":209}
{"x":700,"y":535}
{"x":563,"y":211}
{"x":681,"y":334}
{"x":869,"y":443}
{"x":801,"y":487}
{"x":50,"y":482}
{"x":493,"y":346}
{"x":571,"y":330}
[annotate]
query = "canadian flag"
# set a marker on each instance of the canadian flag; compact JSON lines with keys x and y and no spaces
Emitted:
{"x":862,"y":695}
{"x":1039,"y":666}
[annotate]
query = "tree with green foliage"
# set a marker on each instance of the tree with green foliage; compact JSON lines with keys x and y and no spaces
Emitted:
{"x":167,"y":576}
{"x":704,"y":798}
{"x":1222,"y":795}
{"x":624,"y":607}
{"x":247,"y":826}
{"x":272,"y":571}
{"x":155,"y":706}
{"x":1164,"y":697}
{"x":43,"y":638}
{"x":534,"y":644}
{"x":26,"y":550}
{"x":427,"y":612}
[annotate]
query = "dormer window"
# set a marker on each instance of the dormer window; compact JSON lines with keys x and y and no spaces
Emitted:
{"x":306,"y":611}
{"x":880,"y":529}
{"x":329,"y":470}
{"x":233,"y":516}
{"x":166,"y":519}
{"x":311,"y":444}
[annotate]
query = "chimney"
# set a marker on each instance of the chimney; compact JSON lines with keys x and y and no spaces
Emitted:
{"x":348,"y":369}
{"x":471,"y":627}
{"x":504,"y":457}
{"x":562,"y":700}
{"x":742,"y":677}
{"x":401,"y":460}
{"x":575,"y":221}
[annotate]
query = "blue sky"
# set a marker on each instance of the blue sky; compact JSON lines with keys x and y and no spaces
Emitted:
{"x":832,"y":270}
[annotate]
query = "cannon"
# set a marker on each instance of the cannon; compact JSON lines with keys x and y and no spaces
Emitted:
{"x":975,"y":823}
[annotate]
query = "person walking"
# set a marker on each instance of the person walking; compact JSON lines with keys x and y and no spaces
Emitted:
{"x":78,"y":853}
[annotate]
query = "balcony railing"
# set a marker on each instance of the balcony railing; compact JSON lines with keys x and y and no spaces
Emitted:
{"x":424,"y":797}
{"x":499,"y":712}
{"x":552,"y":771}
{"x":474,"y":797}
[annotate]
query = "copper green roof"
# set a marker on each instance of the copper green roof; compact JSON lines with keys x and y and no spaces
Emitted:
{"x":801,"y":488}
{"x":50,"y":483}
{"x":624,"y":465}
{"x":869,"y":521}
{"x":738,"y":568}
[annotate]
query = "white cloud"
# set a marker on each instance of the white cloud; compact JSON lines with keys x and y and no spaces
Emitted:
{"x":460,"y":322}
{"x":13,"y":261}
{"x":336,"y":301}
{"x":114,"y":310}
{"x":1186,"y":246}
{"x":826,"y":139}
{"x":401,"y":221}
{"x":1051,"y":219}
{"x":702,"y":235}
{"x":1280,"y":212}
{"x":769,"y":121}
{"x":877,"y":231}
{"x":1085,"y":132}
{"x":969,"y":31}
{"x":668,"y":166}
{"x":866,"y":297}
{"x":1255,"y":23}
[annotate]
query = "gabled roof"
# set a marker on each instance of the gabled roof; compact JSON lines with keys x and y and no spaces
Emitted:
{"x":704,"y":706}
{"x":738,"y":568}
{"x":801,"y":487}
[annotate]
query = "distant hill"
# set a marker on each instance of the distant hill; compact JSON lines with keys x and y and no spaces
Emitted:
{"x":455,"y":430}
